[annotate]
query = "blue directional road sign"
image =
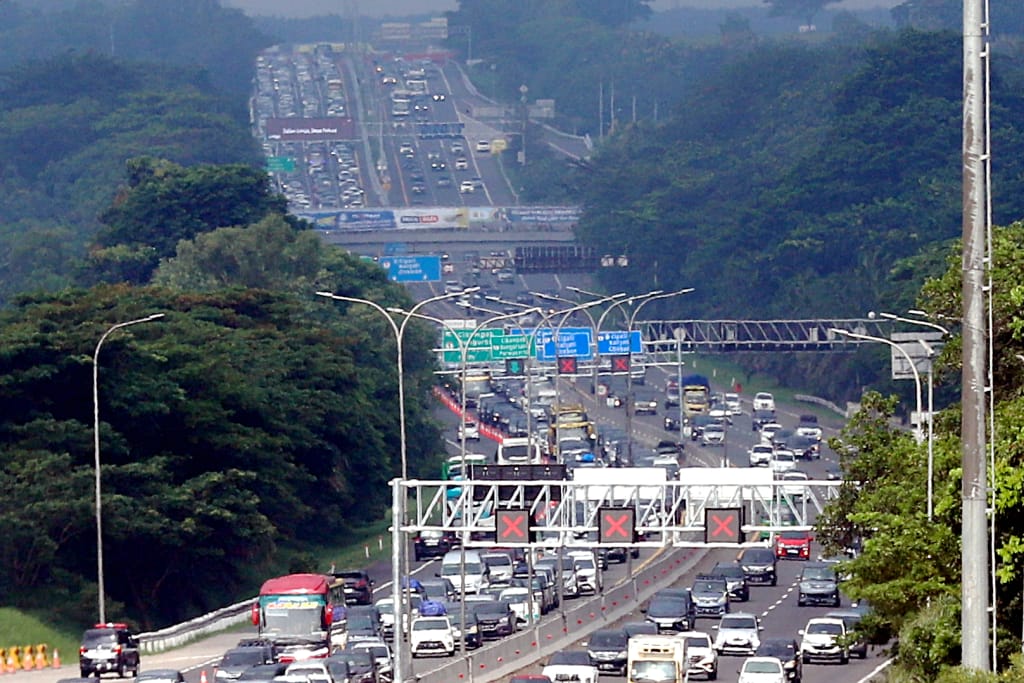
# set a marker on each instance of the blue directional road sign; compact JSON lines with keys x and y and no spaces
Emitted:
{"x":412,"y":268}
{"x":573,"y":342}
{"x":618,"y":342}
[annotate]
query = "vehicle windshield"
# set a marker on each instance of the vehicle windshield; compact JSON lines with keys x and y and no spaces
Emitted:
{"x":708,"y":587}
{"x":760,"y":666}
{"x":361,"y":622}
{"x":826,"y":628}
{"x":247,"y":657}
{"x":653,"y":672}
{"x":500,"y":560}
{"x":666,"y":608}
{"x":430,"y":624}
{"x":608,"y":639}
{"x":739,"y":623}
{"x":785,"y":456}
{"x":293,"y":622}
{"x":698,"y":641}
{"x":794,"y":535}
{"x":759,"y":555}
{"x":99,"y":637}
{"x":819,"y":574}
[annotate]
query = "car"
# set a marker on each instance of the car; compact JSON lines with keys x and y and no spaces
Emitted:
{"x":355,"y":666}
{"x":474,"y":638}
{"x":818,"y":585}
{"x":793,"y":544}
{"x":759,"y":418}
{"x":588,"y":573}
{"x":161,"y":676}
{"x":429,"y":635}
{"x":701,"y":654}
{"x":763,"y":400}
{"x":808,"y":426}
{"x":671,"y":613}
{"x":483,"y":146}
{"x":308,"y":671}
{"x":269,"y":672}
{"x":822,"y":639}
{"x":438,"y":166}
{"x":735,"y":579}
{"x":787,"y":651}
{"x":461,"y":164}
{"x":497,"y":618}
{"x":469,"y":430}
{"x":798,"y":487}
{"x":710,"y":595}
{"x":760,"y":454}
{"x":805,"y":447}
{"x":439,"y":97}
{"x":720,"y":413}
{"x":732,"y":402}
{"x":433,"y":543}
{"x":738,"y":634}
{"x":783,"y":460}
{"x":364,"y":622}
{"x":762,"y":670}
{"x":851,"y":619}
{"x":607,"y":649}
{"x":505,"y":275}
{"x":238,"y":659}
{"x":640,"y":628}
{"x":108,"y":648}
{"x":444,"y":181}
{"x":358,"y":586}
{"x":759,"y":565}
{"x":645,"y":403}
{"x":712,"y":435}
{"x":406,"y":148}
{"x":768,"y":431}
{"x":438,"y":589}
{"x":571,"y":665}
{"x":499,"y":565}
{"x":467,"y":187}
{"x":418,"y":188}
{"x":381,"y":652}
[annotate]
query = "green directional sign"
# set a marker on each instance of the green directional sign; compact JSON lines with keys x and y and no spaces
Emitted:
{"x":486,"y":345}
{"x":281,"y":164}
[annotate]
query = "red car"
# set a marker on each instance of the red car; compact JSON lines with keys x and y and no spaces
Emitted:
{"x":794,"y":545}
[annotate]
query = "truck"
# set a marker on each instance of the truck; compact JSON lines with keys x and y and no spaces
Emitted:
{"x":294,"y":614}
{"x":659,"y":658}
{"x":696,"y":394}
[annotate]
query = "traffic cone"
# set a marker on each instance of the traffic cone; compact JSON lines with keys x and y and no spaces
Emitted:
{"x":41,"y":656}
{"x":27,"y":663}
{"x":56,"y":658}
{"x":202,"y":677}
{"x":12,"y":660}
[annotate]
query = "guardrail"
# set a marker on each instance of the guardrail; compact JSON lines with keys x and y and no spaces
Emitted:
{"x":822,"y":402}
{"x":193,"y":629}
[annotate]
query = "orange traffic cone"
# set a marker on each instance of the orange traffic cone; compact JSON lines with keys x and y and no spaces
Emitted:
{"x":27,"y":663}
{"x":12,"y":660}
{"x":202,"y":677}
{"x":41,"y":656}
{"x":56,"y":659}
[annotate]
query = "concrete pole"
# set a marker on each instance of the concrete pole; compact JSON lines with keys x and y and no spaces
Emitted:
{"x":974,"y":547}
{"x":397,"y":516}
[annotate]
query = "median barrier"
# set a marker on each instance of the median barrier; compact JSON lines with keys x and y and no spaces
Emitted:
{"x":581,"y":617}
{"x":193,"y":629}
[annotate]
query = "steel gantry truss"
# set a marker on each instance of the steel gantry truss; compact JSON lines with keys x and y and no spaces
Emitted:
{"x":562,"y":513}
{"x":756,"y":335}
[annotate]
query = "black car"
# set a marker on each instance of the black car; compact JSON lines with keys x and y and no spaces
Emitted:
{"x":735,"y":579}
{"x":818,"y":585}
{"x":496,"y":618}
{"x":239,"y":659}
{"x":759,"y":565}
{"x":672,"y":613}
{"x":160,"y":676}
{"x":697,"y":425}
{"x":805,"y":447}
{"x":358,"y":586}
{"x":108,"y":648}
{"x":858,"y":643}
{"x":363,"y":623}
{"x":639,"y":628}
{"x":787,"y":650}
{"x":264,"y":672}
{"x":432,"y":543}
{"x":360,"y":664}
{"x":761,"y":418}
{"x":607,"y":650}
{"x":474,"y":636}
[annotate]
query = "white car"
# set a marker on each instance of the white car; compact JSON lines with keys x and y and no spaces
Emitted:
{"x":469,"y":430}
{"x":761,"y":454}
{"x":821,"y":638}
{"x":768,"y":432}
{"x":571,"y":665}
{"x":311,"y":670}
{"x":732,"y":402}
{"x":713,"y":435}
{"x":499,"y":565}
{"x":467,"y":187}
{"x":700,"y":651}
{"x":587,"y":573}
{"x":784,"y":460}
{"x":738,"y":633}
{"x":721,"y":412}
{"x":431,"y":635}
{"x":762,"y":670}
{"x":796,"y":489}
{"x":483,"y":146}
{"x":809,"y":427}
{"x":519,"y":600}
{"x":763,"y":401}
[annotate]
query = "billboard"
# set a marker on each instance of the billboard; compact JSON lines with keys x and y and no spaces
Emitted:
{"x":331,"y":128}
{"x":543,"y":214}
{"x":432,"y":217}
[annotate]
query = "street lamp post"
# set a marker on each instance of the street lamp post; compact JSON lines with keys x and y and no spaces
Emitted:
{"x":931,"y":355}
{"x":910,"y":362}
{"x":96,"y":456}
{"x":399,"y":557}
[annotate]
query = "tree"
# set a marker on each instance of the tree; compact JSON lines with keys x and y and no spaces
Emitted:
{"x":801,"y":9}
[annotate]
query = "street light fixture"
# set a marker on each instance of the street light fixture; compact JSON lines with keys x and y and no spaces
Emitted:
{"x":96,"y":455}
{"x":910,"y":362}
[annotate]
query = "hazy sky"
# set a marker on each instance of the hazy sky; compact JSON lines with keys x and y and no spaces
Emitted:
{"x":377,"y":8}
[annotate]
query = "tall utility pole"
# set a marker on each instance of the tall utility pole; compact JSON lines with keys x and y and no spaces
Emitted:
{"x":975,"y":273}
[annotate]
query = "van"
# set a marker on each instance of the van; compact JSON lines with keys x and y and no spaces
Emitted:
{"x":520,"y":450}
{"x":471,"y":577}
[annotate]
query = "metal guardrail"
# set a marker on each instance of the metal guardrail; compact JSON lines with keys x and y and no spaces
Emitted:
{"x":825,"y":403}
{"x":194,"y":629}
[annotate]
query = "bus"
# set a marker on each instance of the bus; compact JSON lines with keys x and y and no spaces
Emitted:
{"x":294,"y":613}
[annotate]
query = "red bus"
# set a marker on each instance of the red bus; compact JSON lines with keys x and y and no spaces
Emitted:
{"x":294,"y":613}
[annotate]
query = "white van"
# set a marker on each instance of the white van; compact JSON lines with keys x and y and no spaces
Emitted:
{"x":519,"y":450}
{"x":472,"y":577}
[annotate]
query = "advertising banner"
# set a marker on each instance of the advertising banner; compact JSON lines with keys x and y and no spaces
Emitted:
{"x":432,"y":217}
{"x":543,"y":214}
{"x":294,"y":128}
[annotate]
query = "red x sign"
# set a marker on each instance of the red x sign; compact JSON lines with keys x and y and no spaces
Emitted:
{"x":620,"y":363}
{"x":567,"y":366}
{"x":512,"y":526}
{"x":723,"y":525}
{"x":616,"y":525}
